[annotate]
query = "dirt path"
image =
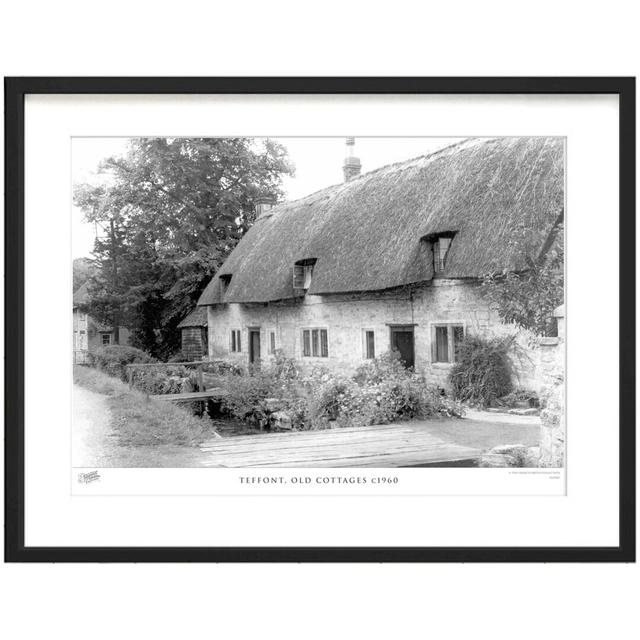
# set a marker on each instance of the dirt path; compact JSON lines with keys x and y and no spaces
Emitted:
{"x":95,"y":445}
{"x":93,"y":441}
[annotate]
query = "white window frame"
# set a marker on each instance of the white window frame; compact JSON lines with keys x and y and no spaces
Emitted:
{"x":364,"y":344}
{"x":450,"y":346}
{"x":102,"y":337}
{"x":319,"y":355}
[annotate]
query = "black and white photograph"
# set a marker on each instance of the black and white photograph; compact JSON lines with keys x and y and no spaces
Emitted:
{"x":322,"y":320}
{"x":318,"y":302}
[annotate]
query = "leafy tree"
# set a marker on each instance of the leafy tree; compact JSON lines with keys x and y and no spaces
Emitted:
{"x":170,"y":211}
{"x":528,"y":298}
{"x":83,"y":269}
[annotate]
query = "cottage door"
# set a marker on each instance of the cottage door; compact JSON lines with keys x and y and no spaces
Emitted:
{"x":402,"y":342}
{"x":254,"y":345}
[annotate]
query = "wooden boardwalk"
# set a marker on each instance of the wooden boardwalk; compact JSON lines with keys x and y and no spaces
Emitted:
{"x":379,"y":446}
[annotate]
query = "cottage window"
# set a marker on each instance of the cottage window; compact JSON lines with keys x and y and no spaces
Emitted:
{"x":302,"y":272}
{"x":236,"y":341}
{"x":225,"y":280}
{"x":445,"y":341}
{"x":315,"y":343}
{"x":106,"y":339}
{"x":306,"y":343}
{"x":272,"y":342}
{"x":369,"y":344}
{"x":440,"y":251}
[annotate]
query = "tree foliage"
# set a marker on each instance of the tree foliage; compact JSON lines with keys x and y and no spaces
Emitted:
{"x":168,"y":213}
{"x":83,"y":270}
{"x":529,"y":298}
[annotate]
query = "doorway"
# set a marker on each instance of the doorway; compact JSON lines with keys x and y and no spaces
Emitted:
{"x":402,"y":341}
{"x":254,"y":345}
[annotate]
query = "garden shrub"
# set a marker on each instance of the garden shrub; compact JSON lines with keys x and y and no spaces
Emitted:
{"x":222,"y":367}
{"x":385,"y":367}
{"x":162,"y":380}
{"x":113,"y":359}
{"x":333,"y":400}
{"x":482,"y":372}
{"x":284,"y":368}
{"x":380,"y":392}
{"x":245,"y":395}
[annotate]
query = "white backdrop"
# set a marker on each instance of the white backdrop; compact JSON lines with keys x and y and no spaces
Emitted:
{"x":191,"y":38}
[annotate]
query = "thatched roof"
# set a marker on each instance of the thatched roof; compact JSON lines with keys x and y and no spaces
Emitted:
{"x":197,"y":318}
{"x":501,"y":197}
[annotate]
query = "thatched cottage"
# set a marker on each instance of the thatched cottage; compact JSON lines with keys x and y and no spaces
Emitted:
{"x":88,"y":333}
{"x":388,"y":260}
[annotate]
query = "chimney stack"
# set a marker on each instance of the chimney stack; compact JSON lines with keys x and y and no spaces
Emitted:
{"x":264,"y":204}
{"x":352,"y":164}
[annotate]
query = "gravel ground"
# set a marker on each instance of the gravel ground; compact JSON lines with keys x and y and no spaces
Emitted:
{"x":484,"y":430}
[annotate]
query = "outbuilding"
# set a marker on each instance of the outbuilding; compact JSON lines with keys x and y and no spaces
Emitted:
{"x":193,"y":331}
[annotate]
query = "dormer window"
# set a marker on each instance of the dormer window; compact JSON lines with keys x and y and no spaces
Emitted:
{"x":440,"y":250}
{"x":225,"y":280}
{"x":440,"y":244}
{"x":302,"y":272}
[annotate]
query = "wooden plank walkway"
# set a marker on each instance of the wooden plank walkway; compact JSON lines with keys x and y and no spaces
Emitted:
{"x":193,"y":395}
{"x":378,"y":446}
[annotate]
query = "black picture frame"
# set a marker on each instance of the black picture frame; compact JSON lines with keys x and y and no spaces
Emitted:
{"x":15,"y":91}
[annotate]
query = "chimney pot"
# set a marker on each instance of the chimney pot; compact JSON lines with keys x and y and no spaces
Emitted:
{"x":352,"y":166}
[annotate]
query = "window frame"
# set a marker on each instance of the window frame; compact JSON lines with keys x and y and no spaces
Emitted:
{"x":272,"y":341}
{"x":440,"y":260}
{"x":365,"y":344}
{"x":320,"y":349}
{"x":303,"y":274}
{"x":102,"y":337}
{"x":235,"y":341}
{"x":450,"y":326}
{"x":225,"y":281}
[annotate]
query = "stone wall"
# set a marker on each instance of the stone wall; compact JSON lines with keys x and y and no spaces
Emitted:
{"x":347,"y":317}
{"x":552,"y":396}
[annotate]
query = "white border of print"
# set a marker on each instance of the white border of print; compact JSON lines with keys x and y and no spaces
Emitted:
{"x":54,"y":517}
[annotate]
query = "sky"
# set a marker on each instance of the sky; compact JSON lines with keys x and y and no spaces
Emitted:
{"x":318,"y":163}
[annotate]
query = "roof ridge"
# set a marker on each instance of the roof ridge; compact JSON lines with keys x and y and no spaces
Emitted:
{"x":432,"y":154}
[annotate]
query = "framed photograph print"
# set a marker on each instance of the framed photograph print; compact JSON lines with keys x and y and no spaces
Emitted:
{"x":320,"y":319}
